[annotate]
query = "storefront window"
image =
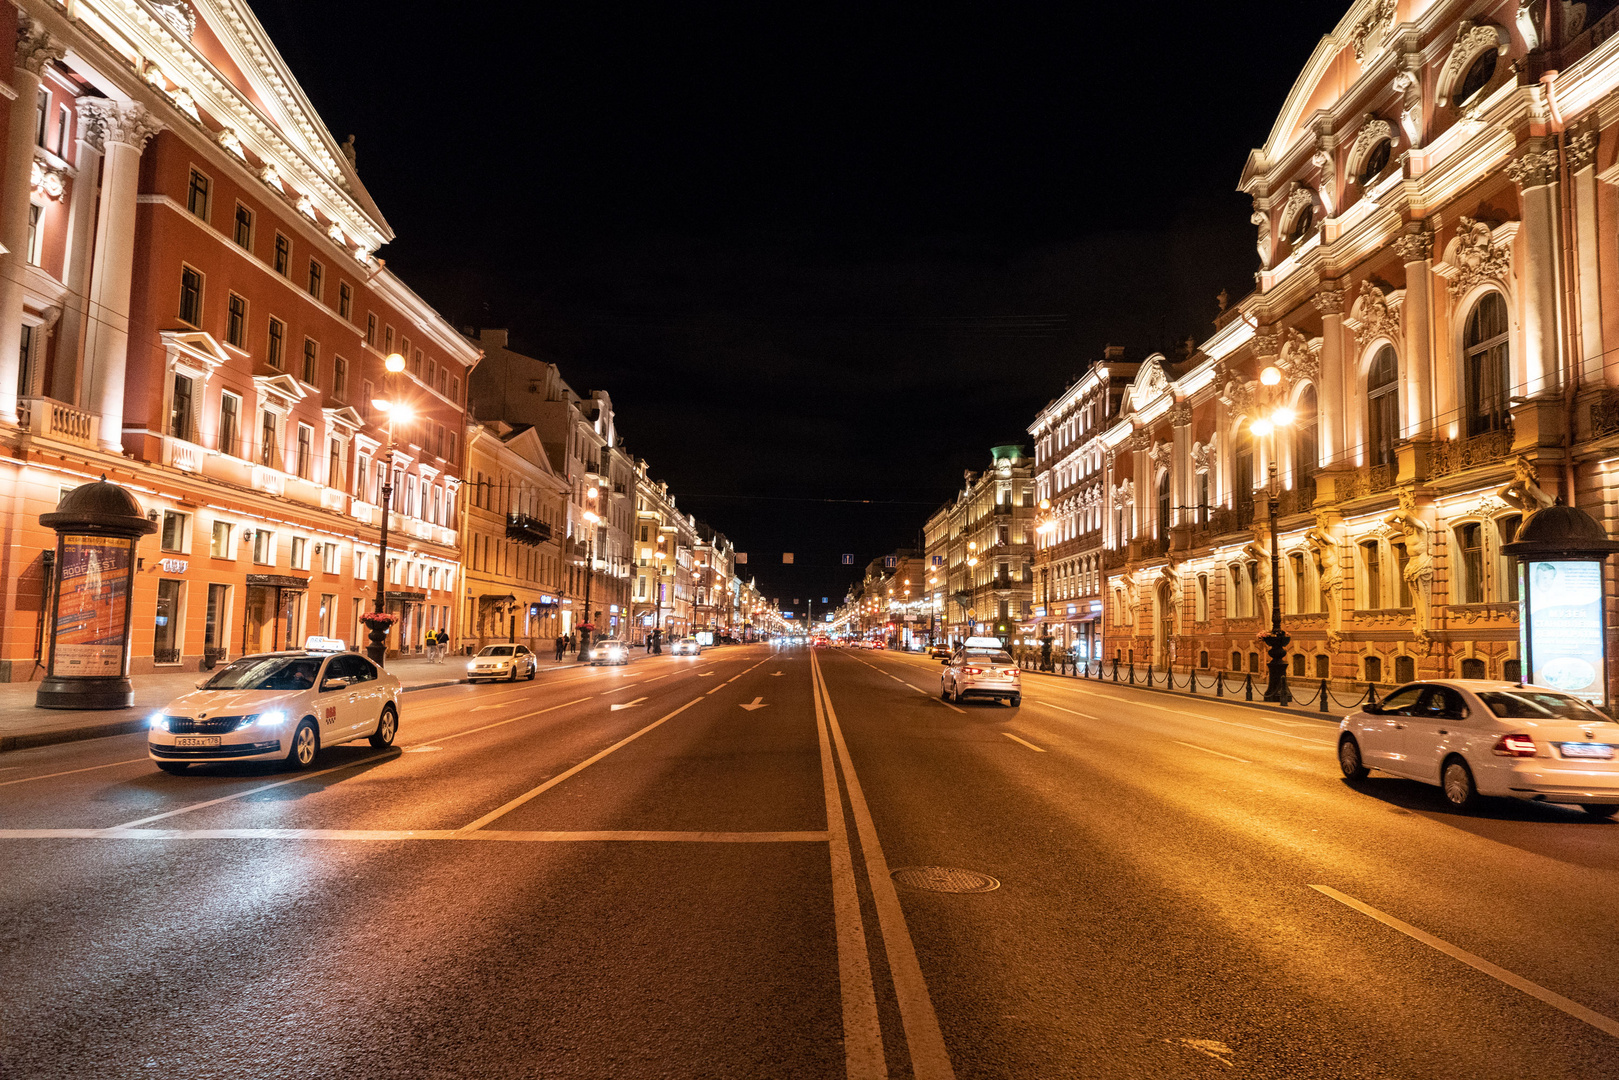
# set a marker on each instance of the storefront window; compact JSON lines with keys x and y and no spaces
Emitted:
{"x":166,"y":645}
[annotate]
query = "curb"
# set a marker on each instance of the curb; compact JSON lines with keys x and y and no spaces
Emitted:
{"x":1326,"y":718}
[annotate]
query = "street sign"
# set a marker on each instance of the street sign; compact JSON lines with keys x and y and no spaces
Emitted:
{"x":848,"y":560}
{"x":938,"y":560}
{"x":890,"y":560}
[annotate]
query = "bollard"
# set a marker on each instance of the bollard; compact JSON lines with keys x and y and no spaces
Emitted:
{"x":1219,"y":685}
{"x":1132,"y":674}
{"x":1149,"y":674}
{"x":1191,"y":681}
{"x":1323,"y":695}
{"x":1115,"y":669}
{"x":1248,"y":686}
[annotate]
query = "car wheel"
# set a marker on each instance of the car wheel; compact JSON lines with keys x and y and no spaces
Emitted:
{"x":1457,"y":782}
{"x":173,"y":768}
{"x":1015,"y":700}
{"x":944,"y":689}
{"x":533,"y":672}
{"x":513,"y":676}
{"x":1600,"y":811}
{"x":387,"y":728}
{"x":305,"y":745}
{"x":1349,"y":759}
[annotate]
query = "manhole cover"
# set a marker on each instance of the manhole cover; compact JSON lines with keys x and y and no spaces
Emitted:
{"x":945,"y":879}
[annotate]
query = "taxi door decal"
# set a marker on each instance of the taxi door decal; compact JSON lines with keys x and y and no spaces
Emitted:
{"x":329,"y":713}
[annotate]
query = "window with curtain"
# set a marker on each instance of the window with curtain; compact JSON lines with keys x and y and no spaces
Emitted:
{"x":1382,"y":407}
{"x":1470,"y":546}
{"x":1485,"y":365}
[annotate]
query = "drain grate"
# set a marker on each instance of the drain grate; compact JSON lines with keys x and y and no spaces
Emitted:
{"x":945,"y":879}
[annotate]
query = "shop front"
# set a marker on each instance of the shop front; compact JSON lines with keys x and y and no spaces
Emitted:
{"x":405,"y":636}
{"x":274,"y":615}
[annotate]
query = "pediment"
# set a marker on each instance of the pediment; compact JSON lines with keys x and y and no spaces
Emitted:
{"x":345,"y":417}
{"x":194,"y":349}
{"x":281,"y":391}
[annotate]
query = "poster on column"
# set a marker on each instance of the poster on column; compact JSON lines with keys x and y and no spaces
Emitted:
{"x":92,"y":607}
{"x":1565,"y":621}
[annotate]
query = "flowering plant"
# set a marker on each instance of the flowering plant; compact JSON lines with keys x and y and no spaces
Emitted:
{"x":379,"y":618}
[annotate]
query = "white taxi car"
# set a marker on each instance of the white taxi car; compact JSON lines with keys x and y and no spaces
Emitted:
{"x":608,"y":651}
{"x":502,"y":662}
{"x":285,"y":705}
{"x":1474,"y":737}
{"x":687,"y":646}
{"x":982,"y":668}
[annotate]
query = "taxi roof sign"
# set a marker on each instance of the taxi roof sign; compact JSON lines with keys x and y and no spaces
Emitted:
{"x":985,"y":643}
{"x":316,"y":643}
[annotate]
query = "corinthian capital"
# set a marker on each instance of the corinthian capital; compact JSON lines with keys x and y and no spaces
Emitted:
{"x":35,"y":48}
{"x":1414,"y":247}
{"x":1582,"y":150}
{"x":1329,"y":301}
{"x":129,"y":123}
{"x":1534,"y":169}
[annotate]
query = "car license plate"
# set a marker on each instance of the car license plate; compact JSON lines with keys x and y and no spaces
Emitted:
{"x":1587,"y":750}
{"x":209,"y":741}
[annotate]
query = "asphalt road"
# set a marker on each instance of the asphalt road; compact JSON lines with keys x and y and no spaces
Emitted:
{"x":536,"y":883}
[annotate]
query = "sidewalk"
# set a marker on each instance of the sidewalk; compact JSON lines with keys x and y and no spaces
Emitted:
{"x":23,"y":725}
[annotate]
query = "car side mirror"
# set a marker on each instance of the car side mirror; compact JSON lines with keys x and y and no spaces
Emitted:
{"x":1372,"y":707}
{"x":339,"y":683}
{"x":202,"y":684}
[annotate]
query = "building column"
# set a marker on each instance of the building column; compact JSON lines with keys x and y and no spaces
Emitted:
{"x":1180,"y":463}
{"x":1416,"y":251}
{"x":67,"y":383}
{"x":35,"y":50}
{"x":1581,"y":155}
{"x":124,"y":129}
{"x":1535,"y":173}
{"x":1333,"y":426}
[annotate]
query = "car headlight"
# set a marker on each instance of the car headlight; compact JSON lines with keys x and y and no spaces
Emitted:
{"x":158,"y":722}
{"x":472,"y":666}
{"x":273,"y":718}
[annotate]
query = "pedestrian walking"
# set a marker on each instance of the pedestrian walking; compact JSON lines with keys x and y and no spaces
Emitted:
{"x":562,"y":643}
{"x":443,"y":644}
{"x":430,"y":647}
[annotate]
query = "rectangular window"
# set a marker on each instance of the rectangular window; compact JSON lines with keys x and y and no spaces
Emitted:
{"x":1370,"y":559}
{"x":190,"y":296}
{"x":264,"y":547}
{"x":283,"y":255}
{"x":214,"y":630}
{"x":278,"y":343}
{"x":362,"y":478}
{"x":220,"y":547}
{"x":197,"y":195}
{"x":316,"y":273}
{"x":300,"y":548}
{"x":311,"y":361}
{"x":328,"y":557}
{"x":230,"y":424}
{"x":42,"y":109}
{"x":455,"y":391}
{"x":180,"y":410}
{"x":306,"y":449}
{"x":443,"y":374}
{"x":166,"y":624}
{"x":371,"y":328}
{"x":340,"y":378}
{"x":1506,"y":566}
{"x":64,"y":120}
{"x":236,"y":321}
{"x":35,"y":236}
{"x":367,"y":392}
{"x":432,"y":374}
{"x":415,"y":358}
{"x":334,"y":464}
{"x":345,"y":299}
{"x":1401,"y":558}
{"x":174,"y":531}
{"x":1470,"y":539}
{"x":243,"y":234}
{"x":267,"y":437}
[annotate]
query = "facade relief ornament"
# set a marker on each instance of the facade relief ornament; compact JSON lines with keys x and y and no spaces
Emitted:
{"x":228,"y":138}
{"x":1137,"y":440}
{"x":48,"y":181}
{"x":108,"y":121}
{"x":1409,"y":84}
{"x":178,"y":14}
{"x":1376,"y":313}
{"x":1414,"y":247}
{"x":35,"y":47}
{"x":1150,"y":381}
{"x":1180,"y":413}
{"x":1475,"y":256}
{"x":1581,"y":151}
{"x":1262,"y":220}
{"x":1472,"y":40}
{"x":1298,"y":359}
{"x":1329,"y":301}
{"x":1537,"y":168}
{"x":1368,"y":35}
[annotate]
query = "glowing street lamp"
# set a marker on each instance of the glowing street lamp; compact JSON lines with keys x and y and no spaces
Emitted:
{"x":397,"y":412}
{"x":1276,"y":641}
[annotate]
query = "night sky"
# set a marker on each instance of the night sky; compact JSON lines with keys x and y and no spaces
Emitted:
{"x":822,"y":257}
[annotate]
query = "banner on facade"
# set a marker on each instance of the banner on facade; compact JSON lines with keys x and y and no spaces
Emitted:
{"x":92,"y":607}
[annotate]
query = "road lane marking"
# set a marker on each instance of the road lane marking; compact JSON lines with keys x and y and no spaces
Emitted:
{"x":512,"y":835}
{"x":1557,"y":1001}
{"x":1071,"y":712}
{"x":67,"y":772}
{"x":930,"y":1060}
{"x":1251,"y":727}
{"x":625,"y":705}
{"x":503,"y":723}
{"x":422,"y":749}
{"x":757,"y":703}
{"x":1216,"y":753}
{"x":1025,"y":742}
{"x":862,"y":1033}
{"x":501,"y":811}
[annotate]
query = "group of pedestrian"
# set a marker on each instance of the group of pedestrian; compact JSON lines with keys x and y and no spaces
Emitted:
{"x":565,"y":644}
{"x":438,"y":644}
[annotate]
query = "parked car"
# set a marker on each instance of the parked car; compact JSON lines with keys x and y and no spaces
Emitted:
{"x":1473,"y":738}
{"x":982,"y":668}
{"x":502,"y":662}
{"x":287,"y":705}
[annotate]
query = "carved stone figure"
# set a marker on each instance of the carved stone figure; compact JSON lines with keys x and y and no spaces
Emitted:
{"x":1418,"y":570}
{"x":1330,"y":574}
{"x":1477,"y":256}
{"x":1375,"y":314}
{"x":1525,"y":491}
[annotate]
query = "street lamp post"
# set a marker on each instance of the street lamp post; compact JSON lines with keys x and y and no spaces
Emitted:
{"x":1276,"y":642}
{"x":591,"y":517}
{"x":394,"y":410}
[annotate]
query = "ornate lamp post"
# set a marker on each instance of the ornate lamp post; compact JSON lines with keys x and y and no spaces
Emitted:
{"x":395,"y":411}
{"x":1277,"y":640}
{"x":591,"y":517}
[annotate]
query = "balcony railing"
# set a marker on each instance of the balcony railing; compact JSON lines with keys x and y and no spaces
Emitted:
{"x":1371,"y":480}
{"x":1454,"y":455}
{"x":1605,"y":410}
{"x":526,"y":529}
{"x":54,"y":419}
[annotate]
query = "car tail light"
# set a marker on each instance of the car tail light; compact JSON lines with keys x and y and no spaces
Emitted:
{"x":972,"y":671}
{"x":1010,"y":672}
{"x":1514,"y":746}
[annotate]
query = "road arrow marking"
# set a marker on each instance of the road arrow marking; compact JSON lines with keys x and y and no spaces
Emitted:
{"x":626,"y":705}
{"x":756,"y":703}
{"x":773,"y":674}
{"x":704,"y":674}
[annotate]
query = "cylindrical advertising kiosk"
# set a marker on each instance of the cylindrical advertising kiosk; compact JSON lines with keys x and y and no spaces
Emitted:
{"x":1562,"y":625}
{"x":98,"y":526}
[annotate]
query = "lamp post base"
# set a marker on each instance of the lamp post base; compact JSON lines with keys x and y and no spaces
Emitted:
{"x":102,"y":693}
{"x":1276,"y":690}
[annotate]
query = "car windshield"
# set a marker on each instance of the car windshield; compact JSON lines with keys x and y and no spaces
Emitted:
{"x":496,"y":650}
{"x":993,"y":656}
{"x":1539,"y":705}
{"x":267,"y":673}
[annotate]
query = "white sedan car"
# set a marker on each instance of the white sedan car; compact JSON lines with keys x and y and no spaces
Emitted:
{"x":502,"y":662}
{"x":1472,"y":737}
{"x":686,"y":646}
{"x":284,"y":705}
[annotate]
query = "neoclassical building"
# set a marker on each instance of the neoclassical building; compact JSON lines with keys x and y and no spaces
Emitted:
{"x":980,"y":550}
{"x":1435,"y":215}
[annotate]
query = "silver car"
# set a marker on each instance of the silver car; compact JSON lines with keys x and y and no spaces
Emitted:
{"x":509,"y":662}
{"x":982,"y":668}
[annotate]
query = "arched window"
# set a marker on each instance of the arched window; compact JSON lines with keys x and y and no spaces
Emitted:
{"x":1478,"y":76}
{"x":1484,"y":350}
{"x":1303,"y":222}
{"x":1382,"y":407}
{"x":1163,"y":513}
{"x":1307,"y":436}
{"x":1375,"y":163}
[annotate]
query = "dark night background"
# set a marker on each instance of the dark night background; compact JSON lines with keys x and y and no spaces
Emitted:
{"x":814,"y":252}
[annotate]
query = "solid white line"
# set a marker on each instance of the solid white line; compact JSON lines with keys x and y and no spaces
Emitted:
{"x":557,"y":779}
{"x":1071,"y":712}
{"x":519,"y":836}
{"x":1557,"y":1001}
{"x":862,"y":1032}
{"x":251,"y":791}
{"x":930,"y":1060}
{"x":68,"y":772}
{"x":1025,"y":742}
{"x":502,"y":723}
{"x":1216,"y":753}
